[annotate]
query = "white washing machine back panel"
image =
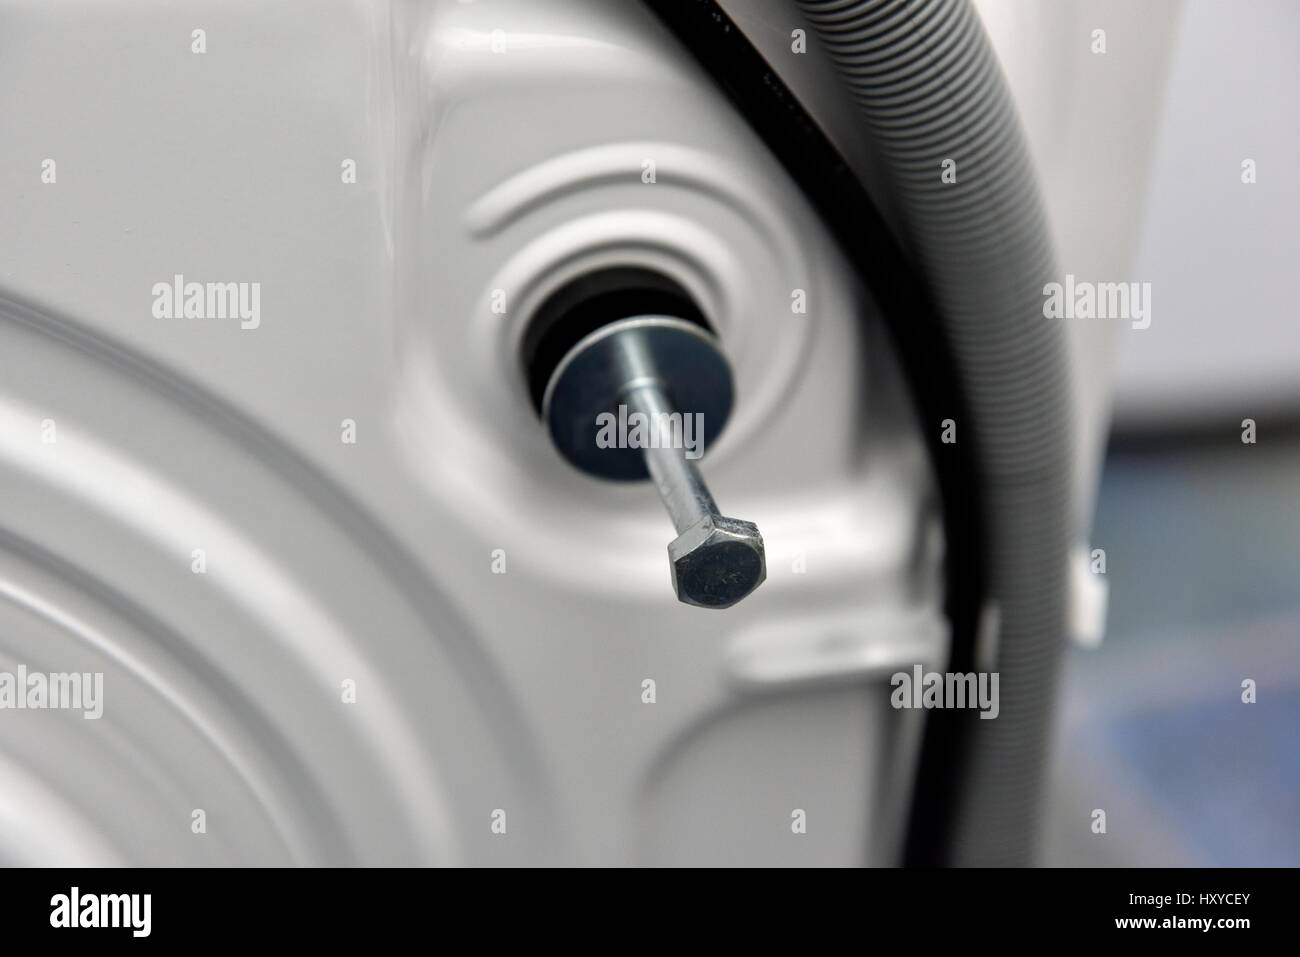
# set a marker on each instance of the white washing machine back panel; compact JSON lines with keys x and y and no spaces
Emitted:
{"x":346,"y":600}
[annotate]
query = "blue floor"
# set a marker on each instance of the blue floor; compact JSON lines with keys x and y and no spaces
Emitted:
{"x":1203,"y":567}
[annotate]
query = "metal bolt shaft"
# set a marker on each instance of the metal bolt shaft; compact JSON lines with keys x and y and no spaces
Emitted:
{"x":648,"y":364}
{"x":715,"y":560}
{"x":678,"y":481}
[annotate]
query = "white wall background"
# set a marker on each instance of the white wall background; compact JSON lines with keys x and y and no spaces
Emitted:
{"x":1140,"y":150}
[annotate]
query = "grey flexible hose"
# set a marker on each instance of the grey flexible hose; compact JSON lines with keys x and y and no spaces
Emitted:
{"x":929,"y":89}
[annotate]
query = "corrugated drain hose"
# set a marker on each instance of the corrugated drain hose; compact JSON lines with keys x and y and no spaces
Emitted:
{"x":960,"y":283}
{"x":929,"y":88}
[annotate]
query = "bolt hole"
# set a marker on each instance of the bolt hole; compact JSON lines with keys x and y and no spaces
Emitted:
{"x":583,"y":305}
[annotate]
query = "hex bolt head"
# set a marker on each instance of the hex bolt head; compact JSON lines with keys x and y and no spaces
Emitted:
{"x":717,"y":562}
